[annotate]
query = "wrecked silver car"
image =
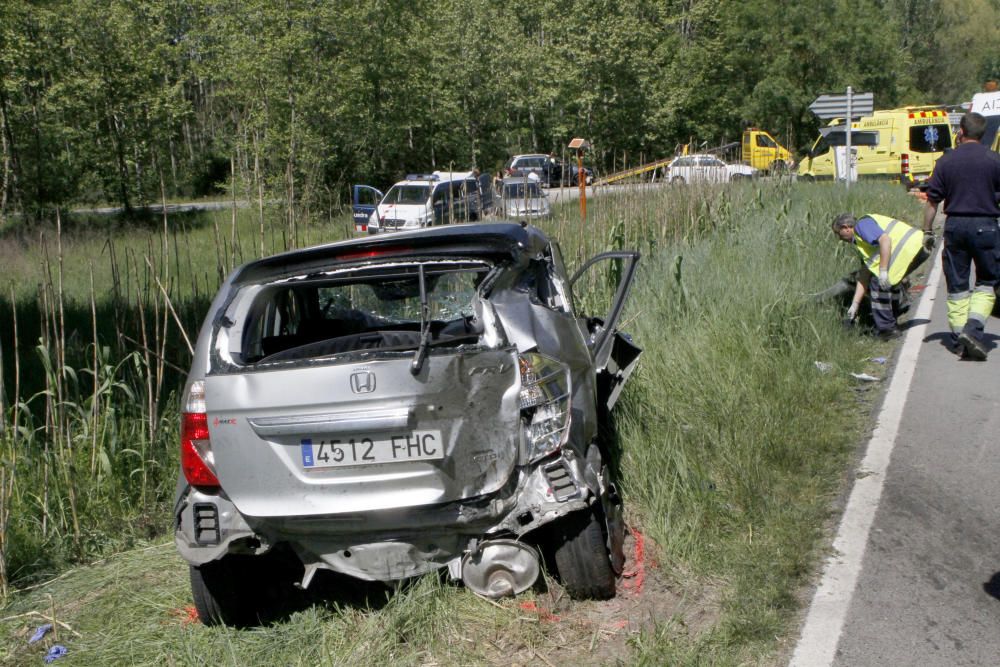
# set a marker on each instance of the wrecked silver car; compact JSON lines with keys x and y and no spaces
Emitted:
{"x":392,"y":405}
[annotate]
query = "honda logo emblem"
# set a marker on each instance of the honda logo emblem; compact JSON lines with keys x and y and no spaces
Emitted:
{"x":362,"y":382}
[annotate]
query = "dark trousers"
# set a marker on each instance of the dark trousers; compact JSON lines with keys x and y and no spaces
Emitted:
{"x":886,"y":303}
{"x":970,"y":242}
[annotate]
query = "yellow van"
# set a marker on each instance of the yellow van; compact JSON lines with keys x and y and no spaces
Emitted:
{"x":885,"y":141}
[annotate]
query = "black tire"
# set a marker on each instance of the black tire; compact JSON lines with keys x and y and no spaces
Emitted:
{"x":243,"y":590}
{"x":581,"y":557}
{"x":221,"y":592}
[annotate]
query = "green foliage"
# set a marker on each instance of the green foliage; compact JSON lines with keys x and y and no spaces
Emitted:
{"x":132,"y":102}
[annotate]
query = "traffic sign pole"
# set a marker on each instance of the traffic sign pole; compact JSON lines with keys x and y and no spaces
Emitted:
{"x":848,"y":160}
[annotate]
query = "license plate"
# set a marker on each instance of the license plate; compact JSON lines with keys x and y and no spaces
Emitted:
{"x":362,"y":450}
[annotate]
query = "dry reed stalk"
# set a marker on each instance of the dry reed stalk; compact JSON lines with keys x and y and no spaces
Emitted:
{"x":232,"y":224}
{"x":17,"y":381}
{"x":218,"y":244}
{"x":170,"y":306}
{"x":44,"y":315}
{"x":62,"y":315}
{"x":95,"y":408}
{"x":160,"y":336}
{"x":56,"y":419}
{"x":260,"y":189}
{"x":148,"y":373}
{"x":3,"y":390}
{"x":116,"y":287}
{"x":150,"y":405}
{"x":6,"y":491}
{"x":140,"y":346}
{"x":65,"y":431}
{"x":177,"y":257}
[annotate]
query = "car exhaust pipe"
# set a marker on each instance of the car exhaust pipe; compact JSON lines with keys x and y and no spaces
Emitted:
{"x":500,"y":568}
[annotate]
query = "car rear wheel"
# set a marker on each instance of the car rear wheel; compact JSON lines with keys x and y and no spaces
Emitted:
{"x":581,"y":556}
{"x":222,"y":593}
{"x":243,"y":590}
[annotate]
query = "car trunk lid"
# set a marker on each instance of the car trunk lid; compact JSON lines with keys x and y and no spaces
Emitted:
{"x":331,"y":438}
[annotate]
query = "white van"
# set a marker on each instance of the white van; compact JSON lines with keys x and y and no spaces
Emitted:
{"x":423,"y":200}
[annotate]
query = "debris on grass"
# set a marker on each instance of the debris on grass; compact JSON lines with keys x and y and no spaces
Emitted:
{"x":634,"y":578}
{"x":823,"y":367}
{"x":865,"y":377}
{"x":40,"y":632}
{"x":878,"y":360}
{"x":57,"y":651}
{"x":186,"y":615}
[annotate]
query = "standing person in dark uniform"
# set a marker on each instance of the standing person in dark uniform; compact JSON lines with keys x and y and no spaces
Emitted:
{"x":967,"y":180}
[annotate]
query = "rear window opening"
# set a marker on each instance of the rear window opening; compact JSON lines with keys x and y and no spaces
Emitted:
{"x":324,"y":316}
{"x":929,"y":138}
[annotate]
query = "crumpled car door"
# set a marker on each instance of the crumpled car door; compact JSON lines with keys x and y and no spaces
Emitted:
{"x":364,"y":199}
{"x":613,"y":352}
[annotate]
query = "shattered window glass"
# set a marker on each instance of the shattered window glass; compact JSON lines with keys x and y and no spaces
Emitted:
{"x":323,"y":316}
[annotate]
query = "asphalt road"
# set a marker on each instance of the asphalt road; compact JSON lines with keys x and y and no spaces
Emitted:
{"x":928,"y":588}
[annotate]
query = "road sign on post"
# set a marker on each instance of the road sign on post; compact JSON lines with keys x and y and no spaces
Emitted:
{"x":580,"y":145}
{"x":828,"y":107}
{"x":850,"y":106}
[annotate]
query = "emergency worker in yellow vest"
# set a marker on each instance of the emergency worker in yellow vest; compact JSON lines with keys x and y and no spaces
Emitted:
{"x":890,"y":250}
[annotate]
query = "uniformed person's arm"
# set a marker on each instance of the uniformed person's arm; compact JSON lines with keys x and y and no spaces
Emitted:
{"x":930,"y":212}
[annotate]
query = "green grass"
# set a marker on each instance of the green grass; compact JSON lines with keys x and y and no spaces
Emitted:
{"x":733,"y":446}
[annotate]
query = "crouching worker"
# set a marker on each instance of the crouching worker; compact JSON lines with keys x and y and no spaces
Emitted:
{"x":890,"y":250}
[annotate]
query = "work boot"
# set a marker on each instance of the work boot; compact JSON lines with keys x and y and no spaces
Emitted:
{"x":974,"y":349}
{"x":889,"y":334}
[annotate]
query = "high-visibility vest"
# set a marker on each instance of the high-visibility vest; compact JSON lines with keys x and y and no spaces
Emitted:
{"x":905,"y":243}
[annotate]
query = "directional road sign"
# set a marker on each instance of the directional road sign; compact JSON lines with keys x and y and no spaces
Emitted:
{"x":835,"y":106}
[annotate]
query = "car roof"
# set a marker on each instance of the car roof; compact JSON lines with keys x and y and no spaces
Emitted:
{"x":434,"y":178}
{"x":493,"y":240}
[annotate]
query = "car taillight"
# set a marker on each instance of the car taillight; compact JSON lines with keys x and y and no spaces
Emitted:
{"x":197,"y":461}
{"x":904,"y":164}
{"x":545,"y":404}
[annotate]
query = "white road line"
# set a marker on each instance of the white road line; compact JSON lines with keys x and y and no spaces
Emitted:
{"x":817,"y":644}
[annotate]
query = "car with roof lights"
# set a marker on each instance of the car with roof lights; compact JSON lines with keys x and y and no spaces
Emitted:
{"x":420,"y":200}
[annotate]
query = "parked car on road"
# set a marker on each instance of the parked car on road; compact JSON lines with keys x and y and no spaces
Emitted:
{"x":550,"y":171}
{"x":423,"y":200}
{"x":522,"y":198}
{"x":397,"y":404}
{"x":705,"y":168}
{"x":545,"y":167}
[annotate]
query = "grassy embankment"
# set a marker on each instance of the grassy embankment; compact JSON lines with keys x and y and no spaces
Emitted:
{"x":733,"y":442}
